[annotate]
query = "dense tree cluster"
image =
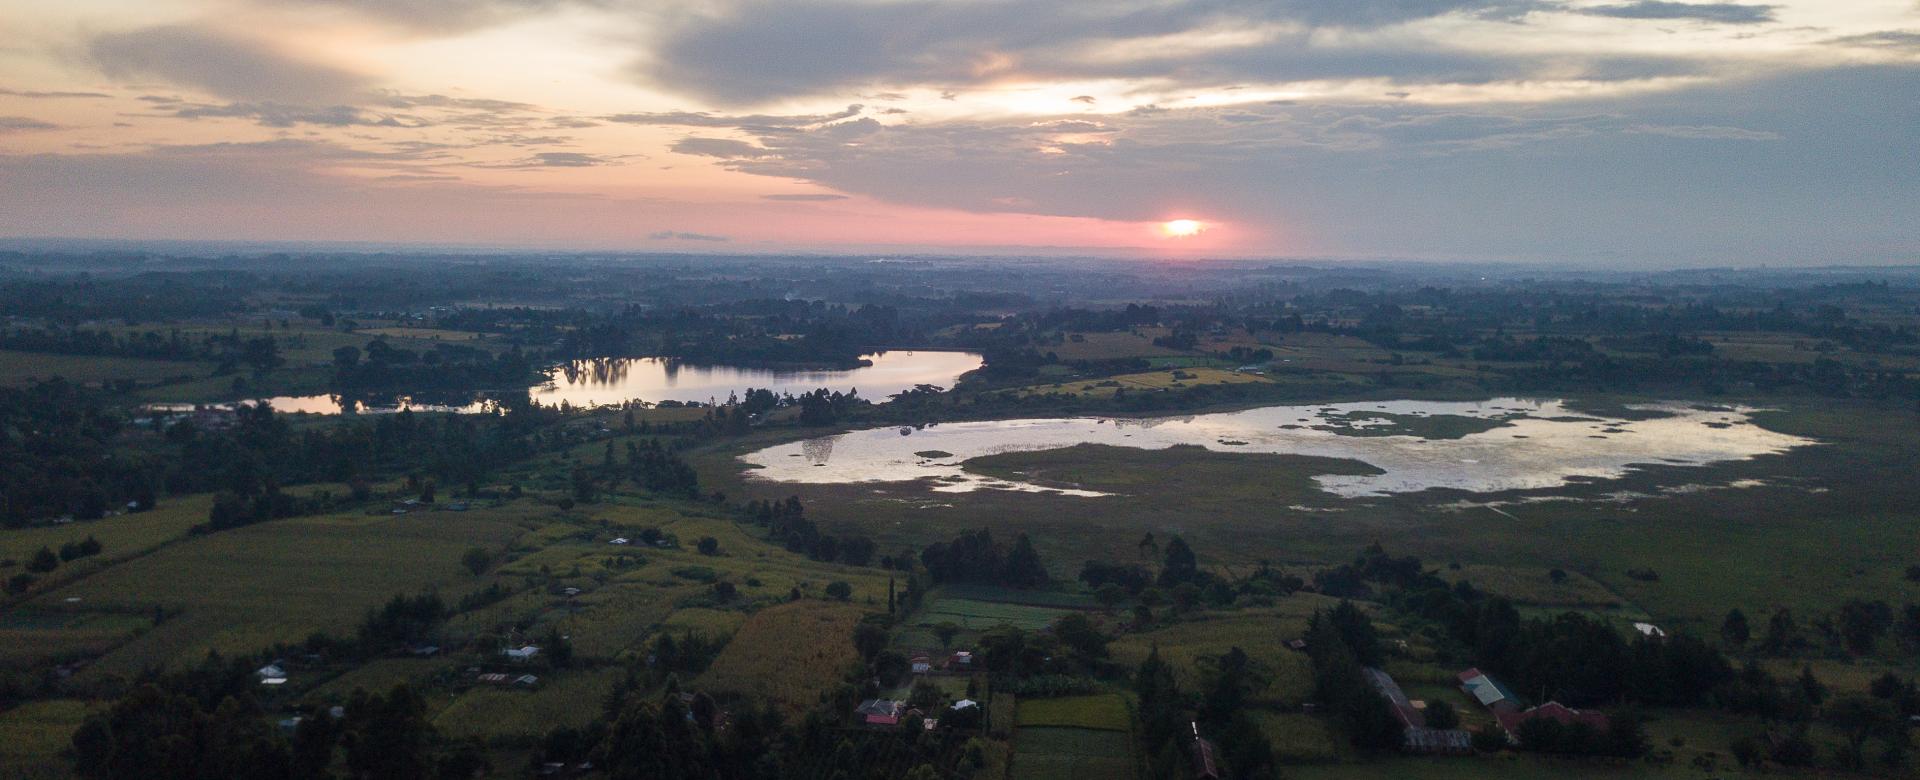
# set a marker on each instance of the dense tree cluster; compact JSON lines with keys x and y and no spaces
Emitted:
{"x":975,"y":557}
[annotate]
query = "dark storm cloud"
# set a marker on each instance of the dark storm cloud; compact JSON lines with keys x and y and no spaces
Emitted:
{"x":1723,"y":13}
{"x":233,"y":68}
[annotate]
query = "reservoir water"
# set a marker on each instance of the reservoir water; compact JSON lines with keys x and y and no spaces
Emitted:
{"x":1482,"y":446}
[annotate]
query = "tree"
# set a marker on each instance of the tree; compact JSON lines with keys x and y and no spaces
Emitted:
{"x":1859,"y":718}
{"x":839,"y":591}
{"x":387,"y":736}
{"x":1734,"y":629}
{"x":1810,"y":687}
{"x":1180,"y":565}
{"x":869,"y":639}
{"x":1782,"y":633}
{"x":43,"y":561}
{"x":1081,"y":637}
{"x":477,"y":560}
{"x":1440,"y":715}
{"x":1024,"y":569}
{"x":708,"y":546}
{"x":558,"y":648}
{"x":1862,"y":623}
{"x":1110,"y":595}
{"x":946,"y":630}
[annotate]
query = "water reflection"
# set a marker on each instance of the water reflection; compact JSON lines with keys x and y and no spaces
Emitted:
{"x":1518,"y":444}
{"x":608,"y":381}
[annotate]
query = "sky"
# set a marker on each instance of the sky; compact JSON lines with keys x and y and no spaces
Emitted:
{"x":1639,"y":133}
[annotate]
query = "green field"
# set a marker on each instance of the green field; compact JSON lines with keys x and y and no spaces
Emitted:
{"x":978,"y":615}
{"x":247,"y":588}
{"x":1054,"y":753}
{"x":1107,"y":711}
{"x":19,"y":368}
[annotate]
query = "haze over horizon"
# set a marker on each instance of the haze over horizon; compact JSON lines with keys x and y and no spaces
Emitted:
{"x":1637,"y":132}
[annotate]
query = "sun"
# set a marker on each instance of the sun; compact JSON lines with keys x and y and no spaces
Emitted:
{"x":1182,"y":228}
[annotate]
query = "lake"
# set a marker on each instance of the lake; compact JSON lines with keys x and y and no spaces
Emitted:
{"x":1484,"y":446}
{"x":610,"y":381}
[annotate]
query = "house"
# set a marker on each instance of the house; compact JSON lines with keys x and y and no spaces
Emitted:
{"x":1297,"y":645}
{"x":965,"y":703}
{"x":271,"y":672}
{"x":521,"y":654}
{"x":1511,"y":721}
{"x":960,"y":661}
{"x":424,"y":651}
{"x":1415,"y":737}
{"x":621,"y":540}
{"x":526,"y":681}
{"x":922,"y":664}
{"x":1489,"y":692}
{"x":1649,"y":630}
{"x":881,"y":712}
{"x":1403,"y":709}
{"x":492,"y":678}
{"x":1205,"y":765}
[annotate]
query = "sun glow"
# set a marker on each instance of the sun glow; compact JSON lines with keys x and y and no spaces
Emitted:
{"x":1182,"y":228}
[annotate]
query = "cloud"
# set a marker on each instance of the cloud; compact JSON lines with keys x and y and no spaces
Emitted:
{"x":705,"y":119}
{"x":569,"y":160}
{"x":1723,"y":13}
{"x":438,"y":17}
{"x":754,"y":51}
{"x":1706,"y":132}
{"x":12,"y":123}
{"x":725,"y":148}
{"x":670,"y":235}
{"x":272,"y":114}
{"x":1906,"y":41}
{"x":50,"y":95}
{"x":1714,"y":170}
{"x":804,"y":196}
{"x":230,"y":67}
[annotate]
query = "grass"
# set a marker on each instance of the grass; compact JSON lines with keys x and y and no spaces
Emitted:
{"x":980,"y":615}
{"x":787,"y":655}
{"x":34,"y":735}
{"x":245,"y":589}
{"x":1259,"y":632}
{"x":1150,"y":381}
{"x":1299,"y":738}
{"x":20,"y":368}
{"x":563,"y":699}
{"x":1055,"y":753}
{"x":1106,"y":711}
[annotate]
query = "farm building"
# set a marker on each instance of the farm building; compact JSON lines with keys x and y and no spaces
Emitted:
{"x":1511,"y":721}
{"x":522,"y":653}
{"x":1403,"y":709}
{"x":271,"y":674}
{"x":1415,"y":736}
{"x":1490,"y":693}
{"x":960,"y":661}
{"x":881,"y":712}
{"x":922,"y":664}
